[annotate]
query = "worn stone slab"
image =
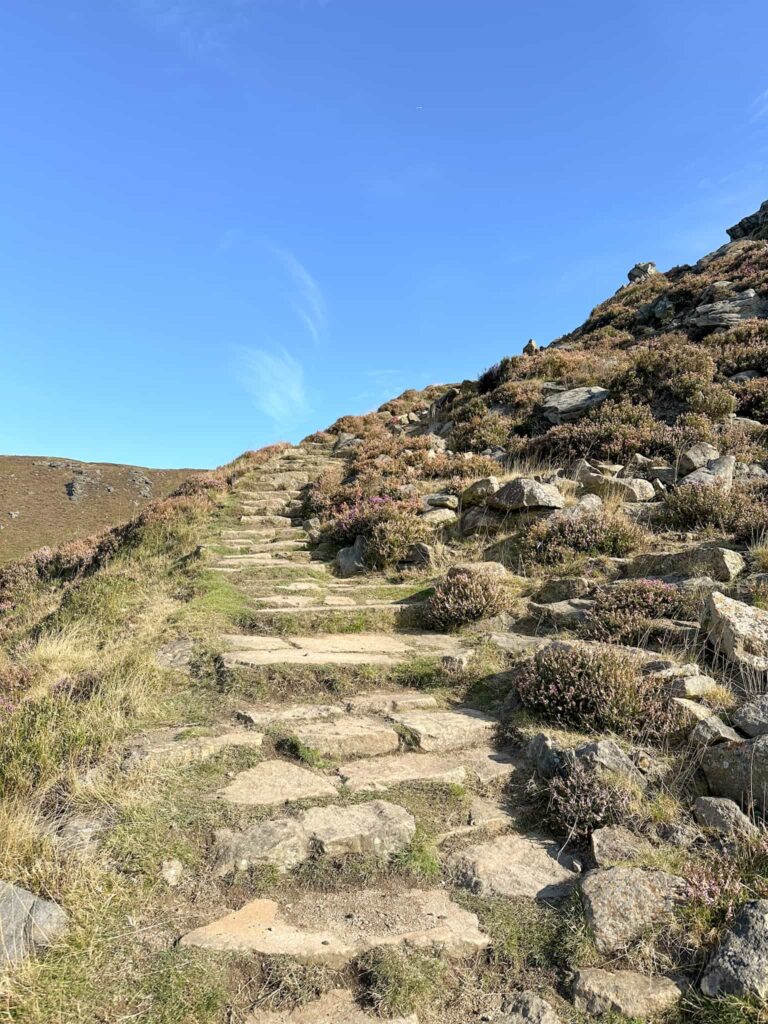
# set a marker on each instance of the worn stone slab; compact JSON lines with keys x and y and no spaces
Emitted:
{"x":614,"y":844}
{"x":441,"y":731}
{"x":262,"y":716}
{"x":596,"y":991}
{"x":348,"y":737}
{"x":335,"y":1007}
{"x":377,"y":828}
{"x":387,"y":703}
{"x":486,"y":816}
{"x":377,"y":775}
{"x":621,"y":904}
{"x":515,"y":865}
{"x":335,"y":648}
{"x":276,"y":782}
{"x":333,"y":928}
{"x":171,"y":747}
{"x":489,"y":765}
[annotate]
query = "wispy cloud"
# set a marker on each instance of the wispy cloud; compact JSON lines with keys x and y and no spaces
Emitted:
{"x":759,"y":106}
{"x":275,"y":381}
{"x":310,"y":304}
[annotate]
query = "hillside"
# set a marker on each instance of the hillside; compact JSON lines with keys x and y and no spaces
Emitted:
{"x":45,"y":501}
{"x":455,"y":712}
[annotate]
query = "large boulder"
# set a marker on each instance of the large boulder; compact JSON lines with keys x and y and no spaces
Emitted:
{"x":621,"y":904}
{"x":626,"y":488}
{"x":596,"y":991}
{"x":738,"y":633}
{"x":724,"y":816}
{"x":752,"y":717}
{"x":28,"y":923}
{"x":696,"y":457}
{"x":716,"y":473}
{"x":719,"y":564}
{"x":744,"y":305}
{"x":739,"y":966}
{"x":524,"y":493}
{"x":564,"y":406}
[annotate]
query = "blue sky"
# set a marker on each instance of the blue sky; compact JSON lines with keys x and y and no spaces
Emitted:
{"x":225,"y":222}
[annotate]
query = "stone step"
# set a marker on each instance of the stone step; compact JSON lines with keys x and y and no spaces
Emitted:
{"x":261,"y":495}
{"x":439,"y":732}
{"x":272,"y":783}
{"x":376,"y":829}
{"x":334,"y":928}
{"x":180,"y":745}
{"x":268,"y":521}
{"x":336,"y":649}
{"x":350,"y":736}
{"x":262,"y":716}
{"x":266,"y":558}
{"x":377,"y":775}
{"x":335,"y":1007}
{"x":515,"y":865}
{"x":266,"y":546}
{"x":267,"y":533}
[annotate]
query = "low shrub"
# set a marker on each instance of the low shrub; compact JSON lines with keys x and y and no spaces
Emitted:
{"x":583,"y":799}
{"x":741,"y":511}
{"x":598,"y":532}
{"x":596,"y":689}
{"x":495,"y":375}
{"x":628,"y":612}
{"x":491,"y":430}
{"x":464,"y":596}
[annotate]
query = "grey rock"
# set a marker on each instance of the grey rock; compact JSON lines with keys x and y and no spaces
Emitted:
{"x":351,"y":560}
{"x":615,"y":844}
{"x":738,"y":771}
{"x":607,"y":756}
{"x":561,"y":614}
{"x":547,"y":758}
{"x":697,"y":456}
{"x":739,"y":633}
{"x":562,"y":588}
{"x":620,"y":904}
{"x":633,"y":995}
{"x":739,"y":966}
{"x":529,"y":1008}
{"x":439,"y":517}
{"x":479,"y":491}
{"x":641,"y":272}
{"x":743,"y":376}
{"x":569,"y":405}
{"x":28,"y":923}
{"x":719,"y":563}
{"x":724,"y":816}
{"x":711,"y":730}
{"x":745,"y":305}
{"x":717,"y":473}
{"x":479,"y":521}
{"x":752,"y":717}
{"x":525,"y":493}
{"x":530,"y":348}
{"x":420,"y":554}
{"x":442,"y":501}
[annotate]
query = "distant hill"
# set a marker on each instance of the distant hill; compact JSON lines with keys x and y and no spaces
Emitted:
{"x":45,"y":501}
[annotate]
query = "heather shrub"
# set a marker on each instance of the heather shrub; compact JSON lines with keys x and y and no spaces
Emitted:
{"x":597,"y":532}
{"x":522,"y":395}
{"x":583,"y":799}
{"x":464,"y":596}
{"x":741,"y":511}
{"x":602,"y":690}
{"x":393,"y":534}
{"x":360,"y":516}
{"x":491,"y":430}
{"x":495,"y":375}
{"x":469,"y":409}
{"x":692,"y":385}
{"x":744,"y":347}
{"x":752,"y":398}
{"x":628,"y":612}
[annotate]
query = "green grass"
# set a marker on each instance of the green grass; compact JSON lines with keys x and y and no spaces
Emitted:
{"x":398,"y":982}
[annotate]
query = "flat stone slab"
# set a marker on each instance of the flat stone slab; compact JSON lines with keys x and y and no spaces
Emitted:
{"x":489,"y":765}
{"x":377,"y":828}
{"x":334,"y":648}
{"x":441,"y":731}
{"x":596,"y":991}
{"x":333,"y":928}
{"x":387,"y":703}
{"x":172,"y":747}
{"x":276,"y":782}
{"x":379,"y":774}
{"x":262,"y":716}
{"x":336,"y":1007}
{"x":348,"y":737}
{"x":515,"y":865}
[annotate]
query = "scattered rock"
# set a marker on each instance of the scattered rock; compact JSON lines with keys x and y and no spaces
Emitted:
{"x":752,"y":717}
{"x":441,"y":731}
{"x":739,"y":633}
{"x":171,"y":872}
{"x":622,"y":903}
{"x":711,"y":730}
{"x":515,"y":865}
{"x":717,"y":473}
{"x":529,"y":1008}
{"x":614,"y":844}
{"x":439,"y":517}
{"x":562,"y":588}
{"x":28,"y":923}
{"x":641,"y":272}
{"x":569,"y":405}
{"x":719,"y":563}
{"x":547,"y":758}
{"x":724,"y":816}
{"x":738,"y":771}
{"x":633,"y":995}
{"x":696,"y":457}
{"x":478,"y":492}
{"x":524,"y":493}
{"x":351,"y":560}
{"x":605,"y":755}
{"x":561,"y":614}
{"x":739,"y":966}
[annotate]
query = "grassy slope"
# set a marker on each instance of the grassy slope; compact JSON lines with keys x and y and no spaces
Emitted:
{"x":36,"y":488}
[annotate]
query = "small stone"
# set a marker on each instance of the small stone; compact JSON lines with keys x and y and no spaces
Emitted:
{"x":530,"y":348}
{"x":739,"y":966}
{"x":739,"y":633}
{"x":449,"y":501}
{"x":171,"y":872}
{"x":562,"y":588}
{"x":696,"y":457}
{"x":529,"y":1008}
{"x":547,"y":758}
{"x":711,"y":730}
{"x":752,"y":717}
{"x":439,"y":517}
{"x":724,"y":816}
{"x":633,"y":995}
{"x":351,"y":560}
{"x":479,"y":491}
{"x":28,"y":923}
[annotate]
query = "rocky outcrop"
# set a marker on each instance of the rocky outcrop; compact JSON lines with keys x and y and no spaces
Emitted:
{"x":564,"y":406}
{"x":724,"y":816}
{"x":755,"y":226}
{"x":718,"y":563}
{"x":738,"y":771}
